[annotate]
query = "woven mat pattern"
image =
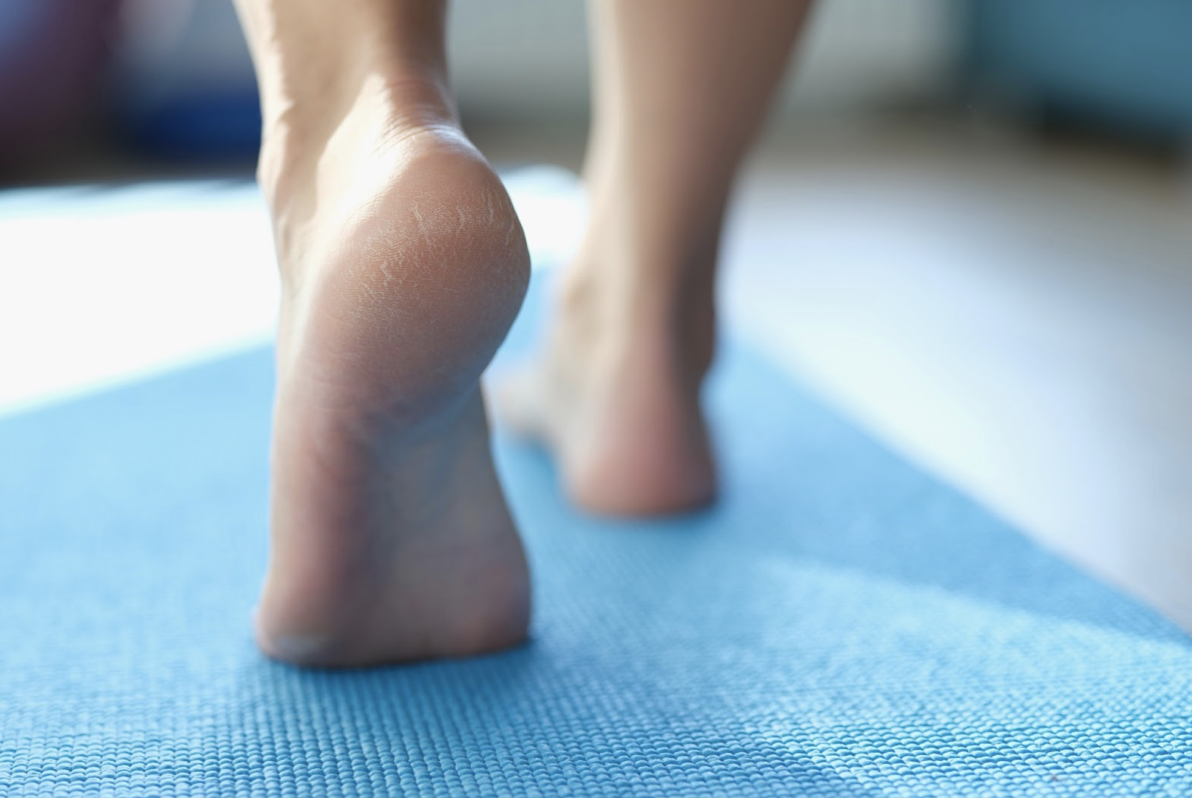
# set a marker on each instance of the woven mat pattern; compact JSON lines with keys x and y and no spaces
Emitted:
{"x":840,"y":624}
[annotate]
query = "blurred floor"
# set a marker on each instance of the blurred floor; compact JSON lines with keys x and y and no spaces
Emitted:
{"x":1009,"y":312}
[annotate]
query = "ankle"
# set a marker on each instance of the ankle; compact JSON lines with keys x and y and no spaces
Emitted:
{"x":622,"y":291}
{"x":393,"y":103}
{"x":310,"y":55}
{"x":663,"y":330}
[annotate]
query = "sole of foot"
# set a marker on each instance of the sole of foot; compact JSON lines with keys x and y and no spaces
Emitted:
{"x":403,"y":265}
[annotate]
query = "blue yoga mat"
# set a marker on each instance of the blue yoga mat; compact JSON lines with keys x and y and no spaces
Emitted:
{"x":839,"y":624}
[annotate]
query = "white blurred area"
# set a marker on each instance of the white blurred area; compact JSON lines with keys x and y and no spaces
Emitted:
{"x":101,"y":285}
{"x":104,"y":285}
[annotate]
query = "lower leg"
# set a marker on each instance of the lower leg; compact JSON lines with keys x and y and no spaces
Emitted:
{"x":680,"y":90}
{"x":402,"y":265}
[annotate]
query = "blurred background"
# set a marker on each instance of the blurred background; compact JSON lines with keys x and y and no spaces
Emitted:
{"x":110,"y":88}
{"x":969,"y":225}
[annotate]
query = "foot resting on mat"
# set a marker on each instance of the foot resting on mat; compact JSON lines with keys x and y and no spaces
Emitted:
{"x":616,"y":393}
{"x":402,"y":265}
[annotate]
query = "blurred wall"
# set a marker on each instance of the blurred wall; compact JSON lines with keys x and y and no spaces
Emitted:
{"x":52,"y":58}
{"x":1126,"y":66}
{"x":527,"y":59}
{"x":180,"y":82}
{"x":184,"y":76}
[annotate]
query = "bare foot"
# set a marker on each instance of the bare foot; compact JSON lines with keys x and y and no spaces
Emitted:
{"x":402,"y":265}
{"x":616,"y":392}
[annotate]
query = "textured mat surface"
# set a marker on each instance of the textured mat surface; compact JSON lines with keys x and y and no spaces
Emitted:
{"x":839,"y":624}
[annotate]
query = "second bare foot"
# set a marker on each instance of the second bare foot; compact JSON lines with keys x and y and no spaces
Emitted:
{"x":615,"y":393}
